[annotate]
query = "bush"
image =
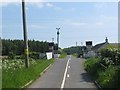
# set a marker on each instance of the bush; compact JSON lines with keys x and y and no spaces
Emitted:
{"x":92,"y":66}
{"x":109,"y":77}
{"x":110,"y":57}
{"x":75,"y":55}
{"x":106,"y":77}
{"x":11,"y":55}
{"x":63,"y":55}
{"x":34,"y":55}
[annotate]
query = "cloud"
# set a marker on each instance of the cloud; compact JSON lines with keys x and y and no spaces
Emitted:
{"x":109,"y":18}
{"x":100,"y":5}
{"x":78,"y":24}
{"x":74,"y":23}
{"x":49,"y":4}
{"x":73,"y":9}
{"x":37,"y":3}
{"x":9,"y":2}
{"x":17,"y":1}
{"x":99,"y":23}
{"x":36,"y":26}
{"x":40,"y":4}
{"x":57,"y":8}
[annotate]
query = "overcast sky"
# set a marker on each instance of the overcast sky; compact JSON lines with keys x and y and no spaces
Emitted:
{"x":78,"y":21}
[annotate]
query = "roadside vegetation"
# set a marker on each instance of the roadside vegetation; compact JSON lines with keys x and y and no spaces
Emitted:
{"x":16,"y":47}
{"x":15,"y":75}
{"x":14,"y":72}
{"x":76,"y":51}
{"x":72,"y":50}
{"x":63,"y":55}
{"x":75,"y":55}
{"x":105,"y":69}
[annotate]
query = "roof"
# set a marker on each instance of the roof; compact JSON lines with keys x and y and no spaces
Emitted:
{"x":97,"y":46}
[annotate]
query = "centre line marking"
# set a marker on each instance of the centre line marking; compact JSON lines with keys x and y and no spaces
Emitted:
{"x":68,"y":75}
{"x":65,"y":73}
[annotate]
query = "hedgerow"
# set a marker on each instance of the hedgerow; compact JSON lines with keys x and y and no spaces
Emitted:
{"x":105,"y":69}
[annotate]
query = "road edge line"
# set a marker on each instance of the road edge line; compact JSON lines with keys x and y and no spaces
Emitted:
{"x":97,"y":85}
{"x":27,"y":84}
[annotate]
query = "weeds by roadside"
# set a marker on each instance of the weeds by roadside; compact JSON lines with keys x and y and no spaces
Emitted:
{"x":15,"y":75}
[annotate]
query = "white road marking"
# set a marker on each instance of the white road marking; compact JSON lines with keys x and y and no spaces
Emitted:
{"x":68,"y":75}
{"x":65,"y":73}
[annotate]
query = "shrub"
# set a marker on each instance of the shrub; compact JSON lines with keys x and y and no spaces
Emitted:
{"x":92,"y":66}
{"x":110,"y":57}
{"x":63,"y":55}
{"x":107,"y":77}
{"x":11,"y":55}
{"x":34,"y":55}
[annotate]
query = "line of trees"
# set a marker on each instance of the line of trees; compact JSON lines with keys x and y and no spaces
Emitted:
{"x":74,"y":50}
{"x":17,"y":46}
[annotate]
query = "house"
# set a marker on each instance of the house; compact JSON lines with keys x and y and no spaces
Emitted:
{"x":95,"y":50}
{"x":88,"y":51}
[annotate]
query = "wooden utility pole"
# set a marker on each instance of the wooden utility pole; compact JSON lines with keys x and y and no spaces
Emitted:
{"x":25,"y":35}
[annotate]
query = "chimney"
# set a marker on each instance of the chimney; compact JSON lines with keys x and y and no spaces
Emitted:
{"x":106,"y":40}
{"x":89,"y":45}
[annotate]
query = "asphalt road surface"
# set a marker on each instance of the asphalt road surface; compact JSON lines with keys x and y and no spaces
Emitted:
{"x":65,"y":73}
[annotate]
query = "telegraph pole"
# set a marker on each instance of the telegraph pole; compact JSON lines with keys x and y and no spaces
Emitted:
{"x":25,"y":35}
{"x":58,"y":36}
{"x":53,"y":47}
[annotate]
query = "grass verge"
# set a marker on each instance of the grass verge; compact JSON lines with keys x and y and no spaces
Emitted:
{"x":63,"y":55}
{"x":75,"y":55}
{"x":19,"y":77}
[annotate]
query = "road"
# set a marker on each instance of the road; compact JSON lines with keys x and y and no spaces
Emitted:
{"x":65,"y":73}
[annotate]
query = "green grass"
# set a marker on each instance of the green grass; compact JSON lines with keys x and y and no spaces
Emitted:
{"x":63,"y":55}
{"x":75,"y":55}
{"x":19,"y":77}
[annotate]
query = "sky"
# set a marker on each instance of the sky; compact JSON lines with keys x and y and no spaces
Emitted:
{"x":78,"y":21}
